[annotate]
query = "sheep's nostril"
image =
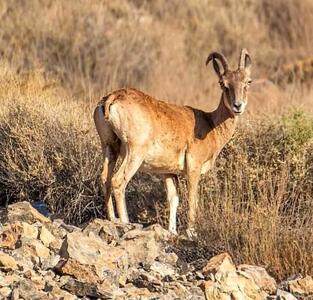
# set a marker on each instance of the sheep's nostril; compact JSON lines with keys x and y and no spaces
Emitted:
{"x":237,"y":105}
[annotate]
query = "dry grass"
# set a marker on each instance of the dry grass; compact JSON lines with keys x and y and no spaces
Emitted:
{"x":257,"y":203}
{"x":48,"y":150}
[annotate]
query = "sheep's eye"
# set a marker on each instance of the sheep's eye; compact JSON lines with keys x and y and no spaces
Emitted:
{"x":249,"y":81}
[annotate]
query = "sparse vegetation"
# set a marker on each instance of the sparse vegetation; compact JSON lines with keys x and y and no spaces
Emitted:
{"x":58,"y":57}
{"x":258,"y":204}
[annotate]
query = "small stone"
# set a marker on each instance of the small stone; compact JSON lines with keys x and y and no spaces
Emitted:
{"x":64,"y":279}
{"x":28,"y":274}
{"x":37,"y":279}
{"x":301,"y":286}
{"x":7,"y":262}
{"x":160,"y":233}
{"x":63,"y":228}
{"x":49,"y":274}
{"x":15,"y":294}
{"x":31,"y":253}
{"x":133,"y":234}
{"x":33,"y":248}
{"x":199,"y":275}
{"x":57,"y":293}
{"x":27,"y":290}
{"x":180,"y":291}
{"x":57,"y":222}
{"x":5,"y":292}
{"x":132,"y":292}
{"x":162,"y":269}
{"x":283,"y":295}
{"x":168,"y":278}
{"x":106,"y":230}
{"x":24,"y":263}
{"x":90,"y":259}
{"x":220,"y":263}
{"x":182,"y":278}
{"x":190,"y":276}
{"x":9,"y":237}
{"x":122,"y":279}
{"x":50,"y":262}
{"x":260,"y":277}
{"x":56,"y":245}
{"x":9,"y":280}
{"x":23,"y":211}
{"x":46,"y":237}
{"x":168,"y":258}
{"x":86,"y":290}
{"x":141,"y":246}
{"x":142,"y":279}
{"x":29,"y":231}
{"x":57,"y":230}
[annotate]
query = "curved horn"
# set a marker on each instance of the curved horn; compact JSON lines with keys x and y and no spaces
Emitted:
{"x":220,"y":57}
{"x":242,"y":58}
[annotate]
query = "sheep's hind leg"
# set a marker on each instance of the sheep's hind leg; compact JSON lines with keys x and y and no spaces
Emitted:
{"x":106,"y":177}
{"x":132,"y":161}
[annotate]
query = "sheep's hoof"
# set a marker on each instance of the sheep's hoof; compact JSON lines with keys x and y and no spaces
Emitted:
{"x":173,"y":231}
{"x":191,"y":233}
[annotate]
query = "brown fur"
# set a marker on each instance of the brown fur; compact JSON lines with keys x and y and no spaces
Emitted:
{"x":158,"y":137}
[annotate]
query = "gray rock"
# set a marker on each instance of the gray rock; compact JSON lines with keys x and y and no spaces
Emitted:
{"x":82,"y":289}
{"x":27,"y":290}
{"x":46,"y":236}
{"x":106,"y":230}
{"x":283,"y":295}
{"x":5,"y":292}
{"x":142,"y":279}
{"x":50,"y":262}
{"x":31,"y":253}
{"x":90,"y":259}
{"x":141,"y":246}
{"x":301,"y":286}
{"x":23,"y":211}
{"x":260,"y":277}
{"x":163,"y":269}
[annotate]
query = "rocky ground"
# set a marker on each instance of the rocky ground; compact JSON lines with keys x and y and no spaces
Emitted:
{"x":45,"y":259}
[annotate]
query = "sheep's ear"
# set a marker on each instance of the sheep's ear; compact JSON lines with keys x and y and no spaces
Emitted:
{"x":245,"y":61}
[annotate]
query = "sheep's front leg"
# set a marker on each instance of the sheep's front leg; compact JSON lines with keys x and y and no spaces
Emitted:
{"x":193,"y":177}
{"x":173,"y":200}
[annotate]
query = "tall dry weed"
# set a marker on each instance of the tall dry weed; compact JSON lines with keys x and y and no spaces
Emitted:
{"x":257,"y":204}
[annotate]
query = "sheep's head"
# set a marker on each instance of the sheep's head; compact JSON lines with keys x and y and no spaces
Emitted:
{"x":234,"y":83}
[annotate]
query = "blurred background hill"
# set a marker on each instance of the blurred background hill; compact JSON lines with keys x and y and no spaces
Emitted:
{"x":92,"y":47}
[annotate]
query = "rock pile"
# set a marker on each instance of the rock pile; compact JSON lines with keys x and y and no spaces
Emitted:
{"x":45,"y":259}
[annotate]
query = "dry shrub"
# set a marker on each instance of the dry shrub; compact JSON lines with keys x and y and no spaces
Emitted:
{"x":257,"y":204}
{"x":48,"y":151}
